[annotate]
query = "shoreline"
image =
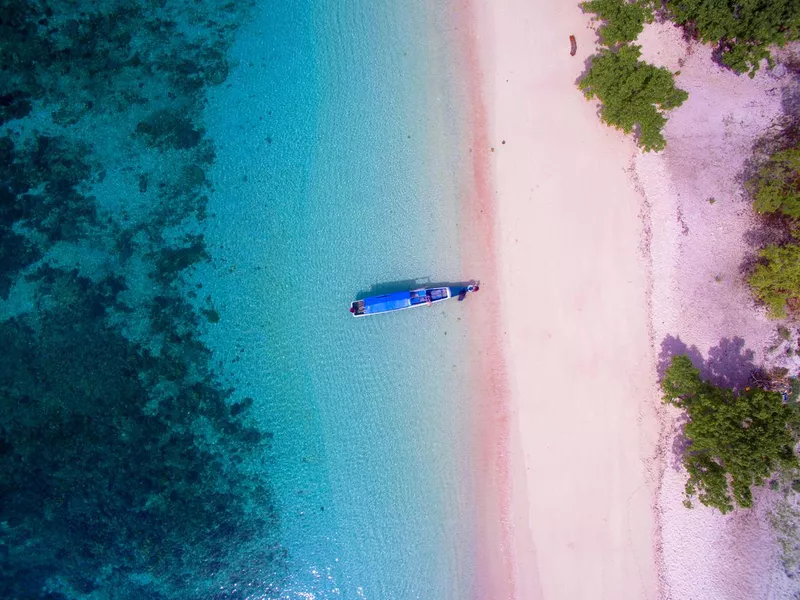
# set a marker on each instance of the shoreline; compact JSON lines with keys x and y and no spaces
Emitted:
{"x":494,"y":551}
{"x":581,"y":450}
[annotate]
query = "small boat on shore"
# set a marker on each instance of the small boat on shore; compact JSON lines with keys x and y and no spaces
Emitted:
{"x":409,"y":299}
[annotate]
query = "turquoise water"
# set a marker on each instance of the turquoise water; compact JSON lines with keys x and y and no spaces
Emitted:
{"x":325,"y":185}
{"x":191,"y":194}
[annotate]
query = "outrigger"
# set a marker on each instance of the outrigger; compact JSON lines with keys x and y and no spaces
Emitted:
{"x":409,"y":299}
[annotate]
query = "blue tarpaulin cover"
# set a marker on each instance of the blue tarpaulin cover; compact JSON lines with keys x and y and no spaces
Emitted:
{"x":395,"y":301}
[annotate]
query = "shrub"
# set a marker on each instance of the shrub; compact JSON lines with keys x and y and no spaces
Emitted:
{"x":776,"y":186}
{"x":794,"y":392}
{"x":776,"y":281}
{"x":632,"y":93}
{"x":736,"y":440}
{"x":623,"y":21}
{"x":742,"y":29}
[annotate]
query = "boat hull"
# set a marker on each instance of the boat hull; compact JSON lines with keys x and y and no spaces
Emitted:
{"x":376,"y":305}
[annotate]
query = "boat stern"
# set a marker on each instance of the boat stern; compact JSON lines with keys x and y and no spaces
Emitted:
{"x":357,"y":308}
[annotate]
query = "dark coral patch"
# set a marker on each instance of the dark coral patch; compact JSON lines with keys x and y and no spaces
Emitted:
{"x":113,"y":473}
{"x":171,"y":261}
{"x":169,"y":129}
{"x":15,"y":105}
{"x":120,"y":454}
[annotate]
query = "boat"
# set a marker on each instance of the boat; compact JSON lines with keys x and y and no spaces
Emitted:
{"x":375,"y":305}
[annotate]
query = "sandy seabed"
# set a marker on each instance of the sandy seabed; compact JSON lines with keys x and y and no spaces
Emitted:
{"x":608,"y":262}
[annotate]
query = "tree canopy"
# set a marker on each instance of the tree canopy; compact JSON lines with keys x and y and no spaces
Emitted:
{"x":623,"y":21}
{"x":775,"y":190}
{"x":776,"y":186}
{"x":633,"y":94}
{"x":776,"y":280}
{"x":742,"y":29}
{"x":736,"y":440}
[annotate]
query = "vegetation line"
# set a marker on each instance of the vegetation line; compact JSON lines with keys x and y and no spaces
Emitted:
{"x":734,"y":440}
{"x":634,"y":95}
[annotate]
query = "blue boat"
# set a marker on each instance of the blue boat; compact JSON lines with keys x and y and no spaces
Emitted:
{"x":409,"y":299}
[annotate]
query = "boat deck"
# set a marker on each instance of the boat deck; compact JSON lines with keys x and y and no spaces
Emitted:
{"x":398,"y":301}
{"x":408,"y":299}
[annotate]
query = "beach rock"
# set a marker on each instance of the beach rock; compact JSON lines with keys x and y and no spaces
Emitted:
{"x":779,"y":71}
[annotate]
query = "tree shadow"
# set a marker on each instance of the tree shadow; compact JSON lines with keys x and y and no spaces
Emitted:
{"x":729,"y":364}
{"x":680,"y":443}
{"x":688,"y":29}
{"x":790,"y":101}
{"x":768,"y":229}
{"x":587,"y":66}
{"x":765,"y":231}
{"x":674,"y":346}
{"x":783,"y":132}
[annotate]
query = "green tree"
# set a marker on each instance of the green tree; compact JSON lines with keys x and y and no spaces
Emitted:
{"x":632,"y":93}
{"x":736,"y":440}
{"x":623,"y":21}
{"x":742,"y":29}
{"x":776,"y":186}
{"x":776,"y":281}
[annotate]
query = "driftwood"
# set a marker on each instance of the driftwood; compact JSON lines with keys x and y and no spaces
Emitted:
{"x":573,"y":45}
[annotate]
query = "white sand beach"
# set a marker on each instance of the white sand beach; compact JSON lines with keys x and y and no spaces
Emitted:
{"x":609,"y":261}
{"x":575,"y":314}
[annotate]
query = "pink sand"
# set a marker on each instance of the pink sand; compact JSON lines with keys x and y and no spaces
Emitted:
{"x":600,"y":252}
{"x":494,"y":545}
{"x":569,"y":428}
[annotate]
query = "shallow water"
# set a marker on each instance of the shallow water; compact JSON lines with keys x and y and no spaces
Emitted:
{"x":332,"y":192}
{"x":250,"y":172}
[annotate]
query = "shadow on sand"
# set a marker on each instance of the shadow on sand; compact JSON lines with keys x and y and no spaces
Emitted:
{"x":729,"y":364}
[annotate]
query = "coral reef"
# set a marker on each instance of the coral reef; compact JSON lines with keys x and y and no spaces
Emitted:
{"x":126,"y":470}
{"x":101,"y":468}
